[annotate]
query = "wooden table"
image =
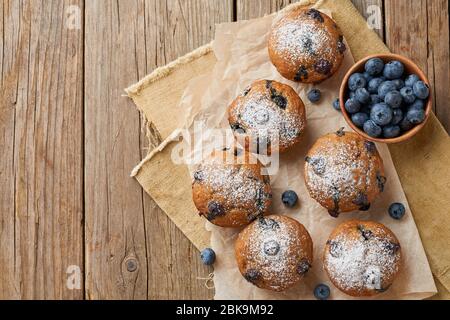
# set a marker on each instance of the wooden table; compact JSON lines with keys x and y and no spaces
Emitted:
{"x":69,"y":210}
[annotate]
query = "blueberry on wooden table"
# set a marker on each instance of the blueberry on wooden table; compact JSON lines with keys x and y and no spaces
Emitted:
{"x":289,"y":198}
{"x":314,"y":95}
{"x":208,"y":256}
{"x":322,"y":292}
{"x":396,"y":210}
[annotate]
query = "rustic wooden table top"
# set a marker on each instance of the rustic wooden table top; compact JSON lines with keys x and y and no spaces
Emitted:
{"x":74,"y":225}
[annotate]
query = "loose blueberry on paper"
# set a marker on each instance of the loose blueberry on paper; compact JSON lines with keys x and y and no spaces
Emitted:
{"x":396,"y":210}
{"x":208,"y":256}
{"x":314,"y":95}
{"x":289,"y":198}
{"x":336,"y":105}
{"x":322,"y":292}
{"x":384,"y":101}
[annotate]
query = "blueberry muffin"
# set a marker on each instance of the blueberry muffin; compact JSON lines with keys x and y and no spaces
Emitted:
{"x":231,"y":188}
{"x":306,"y":45}
{"x":344,"y":172}
{"x":362,"y":258}
{"x":267,"y":117}
{"x":274,"y":252}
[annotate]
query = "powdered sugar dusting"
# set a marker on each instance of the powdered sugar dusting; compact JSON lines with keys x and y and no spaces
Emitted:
{"x":235,"y":183}
{"x":302,"y":39}
{"x":336,"y":169}
{"x":262,"y":117}
{"x":280,"y":268}
{"x":362,"y":264}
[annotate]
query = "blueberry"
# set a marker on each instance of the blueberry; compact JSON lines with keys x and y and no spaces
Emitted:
{"x":360,"y":118}
{"x":372,"y":129}
{"x":399,"y":83}
{"x":421,"y":90}
{"x":352,"y":105}
{"x":352,"y":95}
{"x":271,"y":247}
{"x":415,"y":116}
{"x":356,"y":81}
{"x":208,"y":256}
{"x":411,"y":79}
{"x":386,"y":87}
{"x":391,"y":131}
{"x":362,"y":95}
{"x":381,"y":114}
{"x":396,"y":210}
{"x":418,"y":104}
{"x":314,"y":95}
{"x":374,"y":84}
{"x":322,"y":292}
{"x":393,"y":70}
{"x":336,"y":105}
{"x":289,"y":198}
{"x":367,"y":76}
{"x":374,"y":99}
{"x":405,"y":125}
{"x":374,"y":66}
{"x":393,"y":99}
{"x":397,"y":116}
{"x":408,"y":95}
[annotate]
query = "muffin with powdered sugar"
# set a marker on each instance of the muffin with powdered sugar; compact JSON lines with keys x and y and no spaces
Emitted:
{"x":306,"y":45}
{"x":344,"y":172}
{"x":267,"y":117}
{"x":231,"y":188}
{"x":274,"y":252}
{"x":362,"y":258}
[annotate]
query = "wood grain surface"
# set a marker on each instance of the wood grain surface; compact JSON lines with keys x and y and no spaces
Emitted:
{"x":41,"y":160}
{"x":69,"y":140}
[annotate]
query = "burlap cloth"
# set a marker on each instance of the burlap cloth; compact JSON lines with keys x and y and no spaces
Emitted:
{"x":422,"y":163}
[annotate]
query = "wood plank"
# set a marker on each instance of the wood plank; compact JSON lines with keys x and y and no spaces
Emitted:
{"x":116,"y":262}
{"x":439,"y":58}
{"x":246,"y":9}
{"x":41,"y":205}
{"x":419,"y":30}
{"x":249,"y":9}
{"x":373,"y":11}
{"x":175,"y":28}
{"x":124,"y":43}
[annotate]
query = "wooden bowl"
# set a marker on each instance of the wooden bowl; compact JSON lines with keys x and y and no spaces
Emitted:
{"x":410,"y":68}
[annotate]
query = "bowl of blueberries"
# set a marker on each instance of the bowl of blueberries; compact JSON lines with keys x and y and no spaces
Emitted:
{"x":385,"y":98}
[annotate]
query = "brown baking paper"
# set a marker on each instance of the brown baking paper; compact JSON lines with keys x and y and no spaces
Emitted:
{"x":161,"y":178}
{"x":241,"y":51}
